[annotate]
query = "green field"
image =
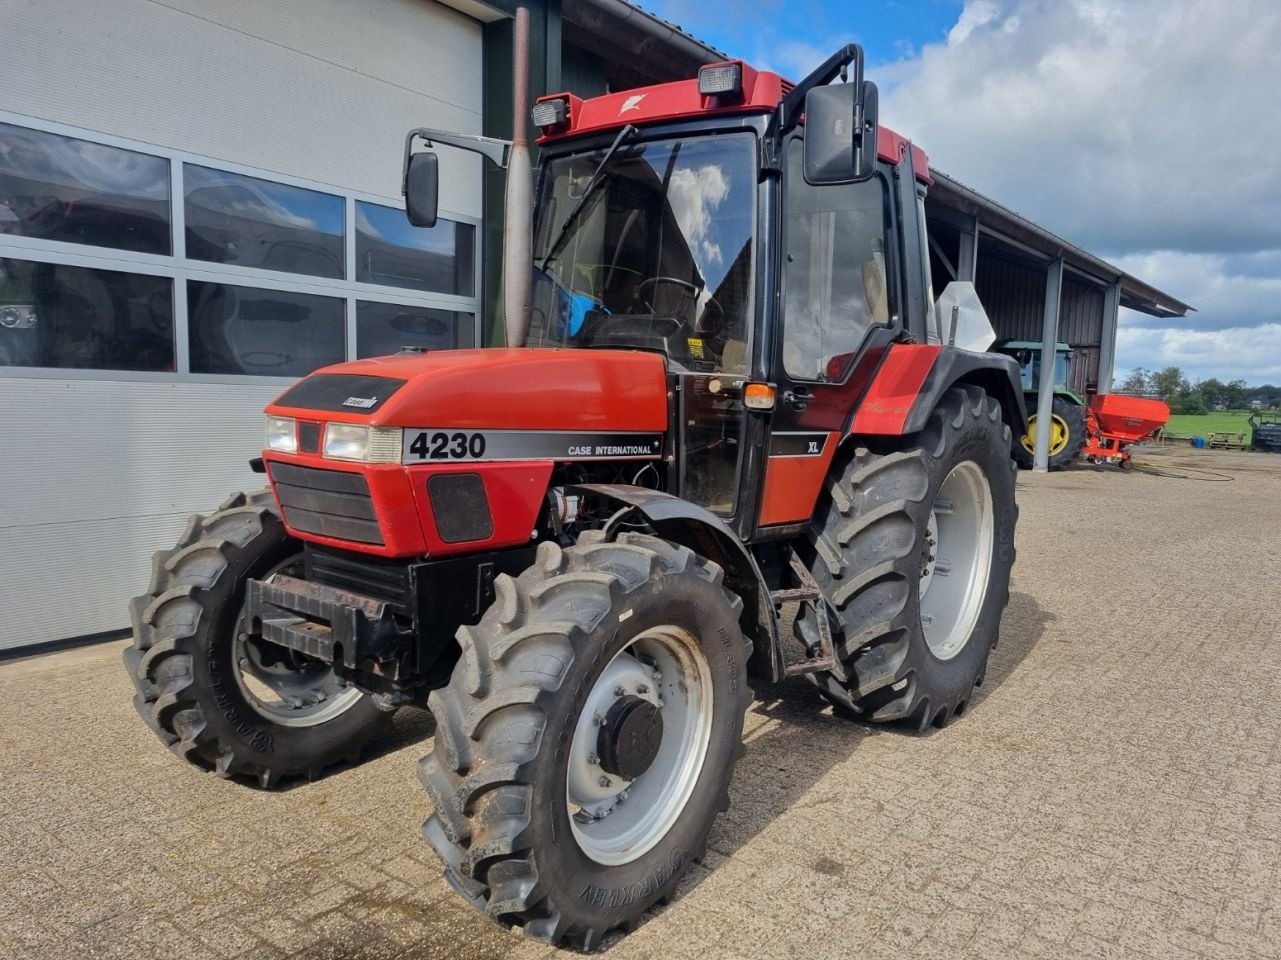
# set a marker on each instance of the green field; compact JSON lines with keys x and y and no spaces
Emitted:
{"x":1202,"y":425}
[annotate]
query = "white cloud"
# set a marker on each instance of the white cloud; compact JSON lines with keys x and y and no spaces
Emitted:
{"x":694,"y":194}
{"x":1124,"y":124}
{"x":1144,"y":130}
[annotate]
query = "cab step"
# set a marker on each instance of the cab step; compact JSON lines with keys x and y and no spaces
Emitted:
{"x":808,"y":592}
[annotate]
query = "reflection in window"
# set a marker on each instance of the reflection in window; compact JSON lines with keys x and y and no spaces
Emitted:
{"x":60,"y":188}
{"x":266,"y":332}
{"x":387,"y":328}
{"x":658,"y":255}
{"x":391,"y":252}
{"x":834,"y":287}
{"x":52,"y":315}
{"x":257,"y":223}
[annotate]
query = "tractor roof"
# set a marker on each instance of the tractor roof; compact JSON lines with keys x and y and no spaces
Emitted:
{"x":1030,"y":345}
{"x":762,"y":92}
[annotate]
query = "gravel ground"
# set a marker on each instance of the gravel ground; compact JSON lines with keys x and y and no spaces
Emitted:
{"x":1114,"y":792}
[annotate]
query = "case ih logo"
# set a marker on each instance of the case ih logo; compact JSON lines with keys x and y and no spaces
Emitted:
{"x":364,"y":403}
{"x":631,"y":103}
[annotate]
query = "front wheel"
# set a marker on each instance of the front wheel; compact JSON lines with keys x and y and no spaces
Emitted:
{"x":219,"y":695}
{"x":586,"y":739}
{"x":913,"y":551}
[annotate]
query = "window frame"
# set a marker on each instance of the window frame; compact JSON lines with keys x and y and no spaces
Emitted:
{"x":894,"y":295}
{"x":178,"y":268}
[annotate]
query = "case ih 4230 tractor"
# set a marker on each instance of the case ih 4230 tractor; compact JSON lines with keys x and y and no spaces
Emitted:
{"x":734,"y":411}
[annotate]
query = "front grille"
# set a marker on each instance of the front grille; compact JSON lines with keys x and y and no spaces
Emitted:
{"x":386,"y":580}
{"x":329,"y":503}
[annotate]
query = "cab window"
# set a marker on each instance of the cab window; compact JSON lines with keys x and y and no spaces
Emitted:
{"x":835,"y":287}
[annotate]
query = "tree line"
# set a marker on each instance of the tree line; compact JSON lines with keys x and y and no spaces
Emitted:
{"x":1184,"y":396}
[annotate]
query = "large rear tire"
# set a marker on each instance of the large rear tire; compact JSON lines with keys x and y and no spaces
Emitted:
{"x":1067,"y":435}
{"x":585,"y":742}
{"x":217,"y":696}
{"x":913,"y":546}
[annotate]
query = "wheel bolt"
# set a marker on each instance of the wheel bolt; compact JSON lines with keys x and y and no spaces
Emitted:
{"x":593,"y":759}
{"x":244,"y":663}
{"x":642,"y":688}
{"x":605,"y":781}
{"x":619,"y":691}
{"x":660,"y":703}
{"x":598,"y":720}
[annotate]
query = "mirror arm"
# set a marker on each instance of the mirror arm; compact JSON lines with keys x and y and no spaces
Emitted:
{"x":496,"y":151}
{"x":793,"y":105}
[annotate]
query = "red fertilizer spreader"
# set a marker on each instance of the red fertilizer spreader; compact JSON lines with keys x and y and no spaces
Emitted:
{"x":1114,"y":422}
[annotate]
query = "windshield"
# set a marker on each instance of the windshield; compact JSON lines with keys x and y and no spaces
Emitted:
{"x":658,"y":257}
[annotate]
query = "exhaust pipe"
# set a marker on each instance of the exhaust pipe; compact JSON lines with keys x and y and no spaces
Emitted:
{"x":518,"y":241}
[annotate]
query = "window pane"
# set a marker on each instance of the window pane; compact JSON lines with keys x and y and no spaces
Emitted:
{"x":835,"y":285}
{"x":52,"y":315}
{"x":60,"y":188}
{"x":392,"y":252}
{"x":257,"y":223}
{"x":268,"y":332}
{"x":384,"y":328}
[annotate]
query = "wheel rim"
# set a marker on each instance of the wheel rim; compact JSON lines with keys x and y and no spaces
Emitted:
{"x":1059,"y":434}
{"x":284,"y":686}
{"x":956,"y":560}
{"x":616,"y":819}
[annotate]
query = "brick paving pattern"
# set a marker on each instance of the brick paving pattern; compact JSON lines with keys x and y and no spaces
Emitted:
{"x":1114,"y":792}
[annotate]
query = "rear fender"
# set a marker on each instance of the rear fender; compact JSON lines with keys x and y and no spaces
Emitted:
{"x":913,"y":378}
{"x":709,"y":536}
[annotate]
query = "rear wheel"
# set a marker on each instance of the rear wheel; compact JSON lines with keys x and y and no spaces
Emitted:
{"x":1067,"y":435}
{"x":218,"y":695}
{"x":586,"y":740}
{"x":913,"y":550}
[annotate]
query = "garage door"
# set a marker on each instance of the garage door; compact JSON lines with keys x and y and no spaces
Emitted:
{"x":199,"y":202}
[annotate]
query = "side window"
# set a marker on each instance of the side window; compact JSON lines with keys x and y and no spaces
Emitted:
{"x":835,"y":286}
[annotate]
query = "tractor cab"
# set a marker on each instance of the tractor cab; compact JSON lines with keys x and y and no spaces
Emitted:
{"x":1027,"y":354}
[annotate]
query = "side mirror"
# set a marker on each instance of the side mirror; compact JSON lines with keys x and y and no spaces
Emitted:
{"x":422,"y":189}
{"x":840,"y":133}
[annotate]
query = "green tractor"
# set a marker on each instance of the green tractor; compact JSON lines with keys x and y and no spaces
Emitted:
{"x":1067,"y":418}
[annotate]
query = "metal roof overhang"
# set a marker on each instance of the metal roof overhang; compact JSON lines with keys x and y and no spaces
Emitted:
{"x":1002,"y":223}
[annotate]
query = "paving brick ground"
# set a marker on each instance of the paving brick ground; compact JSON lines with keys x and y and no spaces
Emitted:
{"x":1115,"y":792}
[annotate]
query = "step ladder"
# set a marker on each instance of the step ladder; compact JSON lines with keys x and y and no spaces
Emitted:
{"x":808,"y":592}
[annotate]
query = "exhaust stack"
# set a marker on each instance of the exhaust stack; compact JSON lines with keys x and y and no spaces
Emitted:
{"x":518,"y":239}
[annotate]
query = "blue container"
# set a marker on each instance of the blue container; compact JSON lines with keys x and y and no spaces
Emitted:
{"x":1198,"y":442}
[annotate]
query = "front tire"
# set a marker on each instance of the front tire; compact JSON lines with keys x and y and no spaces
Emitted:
{"x":218,"y":697}
{"x":913,"y":549}
{"x":586,"y":740}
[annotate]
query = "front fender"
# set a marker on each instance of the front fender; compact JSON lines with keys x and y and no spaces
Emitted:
{"x":709,"y":536}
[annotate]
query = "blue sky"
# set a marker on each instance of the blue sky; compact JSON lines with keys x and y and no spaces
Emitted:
{"x":1146,"y":131}
{"x":789,"y":36}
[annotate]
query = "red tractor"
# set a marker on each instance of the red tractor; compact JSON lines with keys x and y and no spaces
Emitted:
{"x":729,"y":410}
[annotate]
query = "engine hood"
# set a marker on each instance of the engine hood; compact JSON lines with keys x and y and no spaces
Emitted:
{"x":495,"y":388}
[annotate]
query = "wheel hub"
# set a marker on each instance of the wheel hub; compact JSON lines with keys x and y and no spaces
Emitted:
{"x":630,"y":738}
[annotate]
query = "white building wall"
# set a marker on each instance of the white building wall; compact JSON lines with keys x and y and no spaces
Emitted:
{"x":97,"y":471}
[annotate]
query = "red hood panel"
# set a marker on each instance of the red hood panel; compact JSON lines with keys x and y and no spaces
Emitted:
{"x":523,"y":389}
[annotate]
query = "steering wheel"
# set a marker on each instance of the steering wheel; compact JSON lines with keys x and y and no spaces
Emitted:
{"x":639,"y":296}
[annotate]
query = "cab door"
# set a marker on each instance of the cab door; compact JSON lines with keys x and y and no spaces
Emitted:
{"x":838,"y":314}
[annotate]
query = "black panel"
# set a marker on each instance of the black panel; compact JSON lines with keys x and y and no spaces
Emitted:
{"x":308,"y":436}
{"x":382,"y":579}
{"x":348,"y":392}
{"x":797,"y":444}
{"x":329,"y":503}
{"x":460,"y":507}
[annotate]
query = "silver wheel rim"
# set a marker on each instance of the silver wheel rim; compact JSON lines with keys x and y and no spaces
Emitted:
{"x":614,"y":820}
{"x":956,"y":560}
{"x":285,"y":687}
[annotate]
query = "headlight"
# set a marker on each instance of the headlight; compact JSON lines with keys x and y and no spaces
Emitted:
{"x":282,"y":434}
{"x":354,"y":441}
